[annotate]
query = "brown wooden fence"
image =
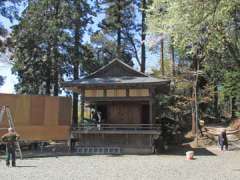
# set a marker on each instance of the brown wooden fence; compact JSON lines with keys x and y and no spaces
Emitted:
{"x":39,"y":118}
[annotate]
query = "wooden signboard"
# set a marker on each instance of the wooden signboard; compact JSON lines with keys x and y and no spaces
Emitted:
{"x":38,"y":118}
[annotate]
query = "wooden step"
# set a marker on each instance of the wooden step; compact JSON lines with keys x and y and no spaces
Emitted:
{"x":98,"y":150}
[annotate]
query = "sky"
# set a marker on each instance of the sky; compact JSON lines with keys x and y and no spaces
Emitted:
{"x":10,"y":79}
{"x":5,"y":68}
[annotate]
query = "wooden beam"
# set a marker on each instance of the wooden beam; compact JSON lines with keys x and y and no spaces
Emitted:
{"x":130,"y":99}
{"x":162,"y":84}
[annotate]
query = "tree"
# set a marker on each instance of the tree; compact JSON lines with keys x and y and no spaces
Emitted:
{"x":143,"y":36}
{"x":49,"y":46}
{"x":231,"y":88}
{"x":204,"y":32}
{"x":120,"y":26}
{"x":38,"y":47}
{"x":9,"y":10}
{"x":79,"y":16}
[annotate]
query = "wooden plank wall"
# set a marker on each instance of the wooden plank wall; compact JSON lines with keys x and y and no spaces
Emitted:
{"x":38,"y":117}
{"x":124,"y":113}
{"x":133,"y":92}
{"x":139,"y":92}
{"x":94,"y":93}
{"x":116,"y":93}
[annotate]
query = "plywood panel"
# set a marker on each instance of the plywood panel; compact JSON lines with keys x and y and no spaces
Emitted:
{"x":42,"y":133}
{"x":51,"y":111}
{"x":23,"y":107}
{"x":10,"y":101}
{"x":38,"y":117}
{"x":37,"y":110}
{"x":65,"y":111}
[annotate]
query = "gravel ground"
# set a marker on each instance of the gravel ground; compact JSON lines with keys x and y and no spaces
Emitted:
{"x":224,"y":165}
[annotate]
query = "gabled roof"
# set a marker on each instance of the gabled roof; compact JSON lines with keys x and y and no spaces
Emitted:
{"x":116,"y":68}
{"x":123,"y":80}
{"x":116,"y":73}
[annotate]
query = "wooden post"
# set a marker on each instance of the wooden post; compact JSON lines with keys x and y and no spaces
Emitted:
{"x":127,"y":92}
{"x":82,"y":103}
{"x":151,"y":108}
{"x":151,"y":111}
{"x":150,"y":141}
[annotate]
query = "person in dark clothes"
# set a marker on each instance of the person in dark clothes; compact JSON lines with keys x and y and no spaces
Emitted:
{"x":73,"y":141}
{"x":99,"y":120}
{"x":10,"y":139}
{"x":222,"y":139}
{"x":155,"y":146}
{"x":94,"y":116}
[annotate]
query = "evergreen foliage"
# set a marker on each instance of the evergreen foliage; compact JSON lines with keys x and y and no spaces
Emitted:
{"x":118,"y":29}
{"x":206,"y":37}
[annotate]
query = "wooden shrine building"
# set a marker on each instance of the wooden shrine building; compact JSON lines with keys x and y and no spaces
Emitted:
{"x":125,"y":99}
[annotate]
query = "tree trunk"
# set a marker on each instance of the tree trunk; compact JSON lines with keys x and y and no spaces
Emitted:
{"x":194,"y":100}
{"x":216,"y":100}
{"x":193,"y":114}
{"x":49,"y":69}
{"x":56,"y":73}
{"x":119,"y":30}
{"x":119,"y":43}
{"x":162,"y":58}
{"x":76,"y":63}
{"x":75,"y":97}
{"x":173,"y":60}
{"x":143,"y":51}
{"x":55,"y":55}
{"x":234,"y":107}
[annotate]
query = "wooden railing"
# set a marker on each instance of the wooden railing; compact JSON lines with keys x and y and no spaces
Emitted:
{"x":116,"y":127}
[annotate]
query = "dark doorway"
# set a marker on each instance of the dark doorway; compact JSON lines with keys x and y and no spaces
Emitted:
{"x":103,"y":109}
{"x":145,"y":114}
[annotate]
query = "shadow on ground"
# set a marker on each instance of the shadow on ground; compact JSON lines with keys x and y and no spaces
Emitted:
{"x":26,"y":166}
{"x":181,"y":151}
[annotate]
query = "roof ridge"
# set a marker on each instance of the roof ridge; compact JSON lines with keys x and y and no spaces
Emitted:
{"x":113,"y":61}
{"x":116,"y":59}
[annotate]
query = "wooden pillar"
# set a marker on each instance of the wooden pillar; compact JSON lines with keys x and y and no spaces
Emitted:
{"x":150,"y":141}
{"x":82,"y":103}
{"x":127,"y":92}
{"x":151,"y":108}
{"x":151,"y":111}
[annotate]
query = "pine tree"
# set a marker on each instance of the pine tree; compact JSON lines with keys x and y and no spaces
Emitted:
{"x":79,"y":15}
{"x":143,"y":36}
{"x":38,"y":47}
{"x":119,"y":25}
